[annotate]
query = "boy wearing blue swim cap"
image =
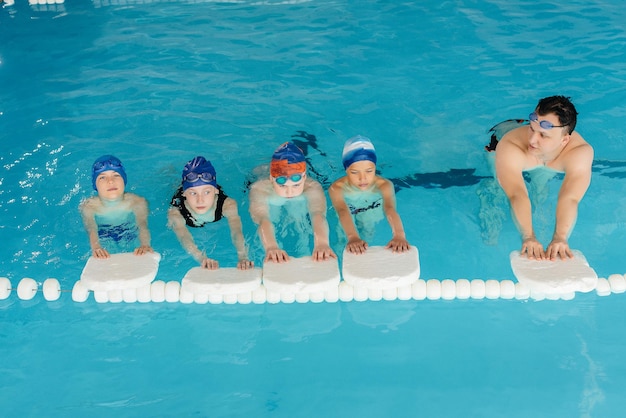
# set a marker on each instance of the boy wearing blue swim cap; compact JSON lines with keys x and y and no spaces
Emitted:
{"x":288,"y":180}
{"x":359,"y":161}
{"x":198,"y":201}
{"x":113,"y":213}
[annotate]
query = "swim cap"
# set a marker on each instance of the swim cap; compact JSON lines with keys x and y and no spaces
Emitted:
{"x":358,"y":148}
{"x":287,"y":159}
{"x":106,"y":163}
{"x":198,"y":172}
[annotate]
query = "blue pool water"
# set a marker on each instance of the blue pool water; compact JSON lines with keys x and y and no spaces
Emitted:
{"x":158,"y":82}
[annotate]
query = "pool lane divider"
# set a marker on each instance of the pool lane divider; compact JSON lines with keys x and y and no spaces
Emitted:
{"x":431,"y":289}
{"x":376,"y":275}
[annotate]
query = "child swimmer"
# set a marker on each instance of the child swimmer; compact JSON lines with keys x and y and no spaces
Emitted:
{"x":359,"y":161}
{"x":198,"y":201}
{"x":114,"y":214}
{"x":288,"y":180}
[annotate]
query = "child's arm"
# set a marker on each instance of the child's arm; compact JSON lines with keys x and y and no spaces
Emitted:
{"x":259,"y":212}
{"x":317,"y":210}
{"x":355,"y":244}
{"x":398,"y":241}
{"x":176,"y":221}
{"x":87,"y":211}
{"x":236,"y":233}
{"x":140,"y":208}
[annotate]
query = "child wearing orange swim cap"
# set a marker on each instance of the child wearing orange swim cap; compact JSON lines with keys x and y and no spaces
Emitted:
{"x":288,"y":180}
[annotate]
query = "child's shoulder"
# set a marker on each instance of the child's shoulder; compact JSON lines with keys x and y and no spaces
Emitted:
{"x":384,"y":186}
{"x":339,"y":182}
{"x":229,"y":207}
{"x":382,"y":182}
{"x":311,"y":184}
{"x":90,"y":203}
{"x":261,"y":185}
{"x":132,"y":197}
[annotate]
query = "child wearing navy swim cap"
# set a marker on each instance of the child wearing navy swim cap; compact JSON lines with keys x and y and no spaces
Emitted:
{"x":114,"y":215}
{"x":200,"y":200}
{"x":288,"y":180}
{"x":361,"y":181}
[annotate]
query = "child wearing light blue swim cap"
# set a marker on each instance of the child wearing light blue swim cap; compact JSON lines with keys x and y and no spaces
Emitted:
{"x":359,"y":160}
{"x":114,"y":214}
{"x":198,"y":201}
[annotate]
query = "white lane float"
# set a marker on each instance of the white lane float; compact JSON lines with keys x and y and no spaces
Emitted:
{"x":157,"y":291}
{"x":172,"y":292}
{"x":378,"y":274}
{"x":51,"y":289}
{"x":5,"y":288}
{"x":80,"y":293}
{"x":603,"y":287}
{"x":27,"y":288}
{"x":617,"y":283}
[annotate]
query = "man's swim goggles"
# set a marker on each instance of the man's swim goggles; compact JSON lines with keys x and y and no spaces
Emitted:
{"x":533,"y":117}
{"x":281,"y":180}
{"x":192,"y":177}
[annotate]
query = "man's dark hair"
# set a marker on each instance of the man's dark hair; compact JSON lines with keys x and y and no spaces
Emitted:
{"x":562,"y":107}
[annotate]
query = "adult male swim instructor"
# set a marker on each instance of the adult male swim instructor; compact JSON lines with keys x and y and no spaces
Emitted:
{"x":548,"y":141}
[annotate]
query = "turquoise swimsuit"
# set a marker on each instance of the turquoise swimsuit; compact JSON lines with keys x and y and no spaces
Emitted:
{"x":354,"y":210}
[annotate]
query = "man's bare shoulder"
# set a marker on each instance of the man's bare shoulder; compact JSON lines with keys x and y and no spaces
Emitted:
{"x":513,"y":144}
{"x":515,"y":135}
{"x":578,"y":141}
{"x":579,"y":153}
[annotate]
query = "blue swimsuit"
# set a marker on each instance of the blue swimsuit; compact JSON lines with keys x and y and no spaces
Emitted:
{"x":122,"y":232}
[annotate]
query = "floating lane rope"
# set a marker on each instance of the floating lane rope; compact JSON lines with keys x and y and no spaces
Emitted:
{"x":377,"y":275}
{"x":432,"y":289}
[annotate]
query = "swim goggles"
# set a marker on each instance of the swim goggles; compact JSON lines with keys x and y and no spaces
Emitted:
{"x":102,"y":165}
{"x":204,"y":177}
{"x":533,"y":117}
{"x":281,"y":180}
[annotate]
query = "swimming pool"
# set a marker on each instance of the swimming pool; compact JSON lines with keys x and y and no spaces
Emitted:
{"x":159,"y":82}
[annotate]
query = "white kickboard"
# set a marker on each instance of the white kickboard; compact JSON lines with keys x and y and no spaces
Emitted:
{"x":301,"y":275}
{"x":554,"y":277}
{"x":224,"y":281}
{"x":380,"y":268}
{"x":120,"y":271}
